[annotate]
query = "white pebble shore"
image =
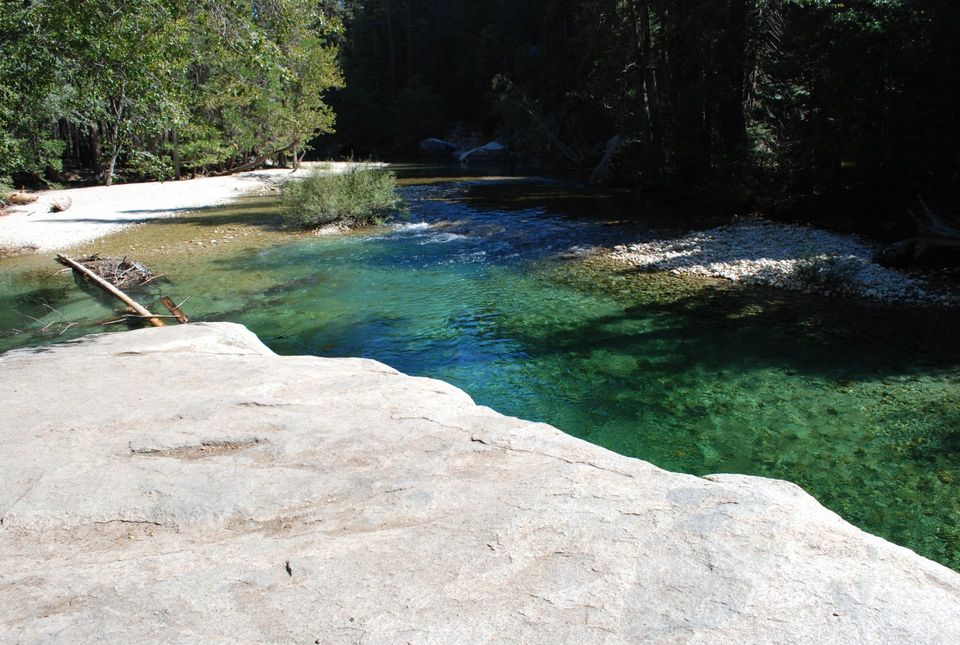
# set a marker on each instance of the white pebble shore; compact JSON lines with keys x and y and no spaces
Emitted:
{"x":765,"y":253}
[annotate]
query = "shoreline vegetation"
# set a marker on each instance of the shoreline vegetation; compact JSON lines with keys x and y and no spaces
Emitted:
{"x":361,"y":195}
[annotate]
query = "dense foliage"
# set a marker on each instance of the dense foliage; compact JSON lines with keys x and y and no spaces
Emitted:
{"x":161,"y":86}
{"x":851,"y":103}
{"x":356,"y":197}
{"x":850,"y":106}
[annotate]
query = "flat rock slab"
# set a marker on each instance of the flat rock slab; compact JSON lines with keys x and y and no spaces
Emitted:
{"x":187,"y":485}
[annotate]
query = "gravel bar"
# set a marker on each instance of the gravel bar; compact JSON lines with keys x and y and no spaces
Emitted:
{"x":800,"y":258}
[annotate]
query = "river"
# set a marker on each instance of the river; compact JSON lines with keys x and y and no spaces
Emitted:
{"x":489,"y":284}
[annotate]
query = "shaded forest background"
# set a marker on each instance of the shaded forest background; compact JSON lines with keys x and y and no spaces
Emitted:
{"x":845,"y":108}
{"x":836,"y":107}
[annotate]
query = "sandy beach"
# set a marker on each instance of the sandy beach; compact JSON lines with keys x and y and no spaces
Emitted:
{"x":100,"y":210}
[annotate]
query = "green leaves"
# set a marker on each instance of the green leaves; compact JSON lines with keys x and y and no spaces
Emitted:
{"x":237,"y":79}
{"x":357,"y":197}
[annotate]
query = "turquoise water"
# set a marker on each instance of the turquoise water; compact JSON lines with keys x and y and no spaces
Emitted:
{"x":488,"y":286}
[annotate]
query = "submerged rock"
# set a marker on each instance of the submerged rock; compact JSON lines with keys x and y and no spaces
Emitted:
{"x":11,"y":251}
{"x":243,"y":496}
{"x":336,"y":228}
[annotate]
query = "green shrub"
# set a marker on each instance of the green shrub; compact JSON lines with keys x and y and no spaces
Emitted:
{"x":356,"y":197}
{"x":150,"y":166}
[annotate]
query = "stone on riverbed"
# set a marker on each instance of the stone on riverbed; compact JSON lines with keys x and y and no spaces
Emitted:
{"x":247,"y":497}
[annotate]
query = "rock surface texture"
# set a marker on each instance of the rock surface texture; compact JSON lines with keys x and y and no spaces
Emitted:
{"x":188,"y":485}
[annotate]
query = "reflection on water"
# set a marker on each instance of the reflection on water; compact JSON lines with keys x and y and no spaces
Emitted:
{"x":490,"y":285}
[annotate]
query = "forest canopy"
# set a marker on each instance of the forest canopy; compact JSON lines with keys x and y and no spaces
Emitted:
{"x":804,"y":104}
{"x":767,"y":101}
{"x":161,"y":86}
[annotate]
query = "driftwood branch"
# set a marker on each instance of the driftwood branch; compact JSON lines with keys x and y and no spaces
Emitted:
{"x":174,"y":309}
{"x":112,"y":290}
{"x":933,"y":226}
{"x":935,"y":240}
{"x":250,"y":165}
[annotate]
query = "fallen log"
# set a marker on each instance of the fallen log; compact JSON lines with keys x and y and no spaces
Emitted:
{"x":112,"y":290}
{"x":250,"y":165}
{"x":127,"y":317}
{"x":20,"y":199}
{"x":175,"y":309}
{"x":937,"y":242}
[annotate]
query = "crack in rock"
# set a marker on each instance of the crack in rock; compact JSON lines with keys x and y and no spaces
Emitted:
{"x":211,"y":448}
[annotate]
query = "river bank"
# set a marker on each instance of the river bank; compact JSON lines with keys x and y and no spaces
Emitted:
{"x":98,"y":211}
{"x":751,"y":251}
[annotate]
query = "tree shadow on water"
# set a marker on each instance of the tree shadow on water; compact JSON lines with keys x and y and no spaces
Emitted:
{"x":263,"y":211}
{"x":259,"y":211}
{"x":748,"y":328}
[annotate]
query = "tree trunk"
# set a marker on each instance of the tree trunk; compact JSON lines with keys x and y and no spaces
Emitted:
{"x":110,"y":167}
{"x":74,"y":144}
{"x":391,"y":50}
{"x":175,"y":155}
{"x":733,"y":128}
{"x":937,"y":243}
{"x":689,"y":100}
{"x":95,"y":150}
{"x":255,"y":162}
{"x":651,"y":85}
{"x":114,"y":153}
{"x":602,"y":175}
{"x":115,"y":143}
{"x":174,"y":309}
{"x":409,"y":21}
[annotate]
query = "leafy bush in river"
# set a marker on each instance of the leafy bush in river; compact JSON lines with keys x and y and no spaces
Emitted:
{"x":356,"y":197}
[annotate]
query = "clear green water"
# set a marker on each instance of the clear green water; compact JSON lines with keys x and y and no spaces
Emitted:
{"x":859,"y":404}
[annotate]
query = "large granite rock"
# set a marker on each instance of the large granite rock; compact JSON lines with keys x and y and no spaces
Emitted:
{"x":187,"y":485}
